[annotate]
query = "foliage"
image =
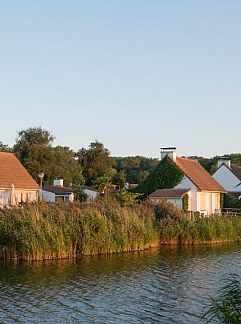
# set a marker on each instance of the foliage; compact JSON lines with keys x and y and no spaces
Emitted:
{"x":165,"y":175}
{"x":227,"y":306}
{"x":222,"y":197}
{"x":231,"y":202}
{"x":95,"y":162}
{"x":4,"y":148}
{"x":165,"y":209}
{"x":104,"y":184}
{"x":80,"y":194}
{"x":211,"y":164}
{"x":46,"y":231}
{"x":185,"y":202}
{"x":185,"y":230}
{"x":135,"y":168}
{"x":35,"y":151}
{"x":127,"y":198}
{"x":118,"y":179}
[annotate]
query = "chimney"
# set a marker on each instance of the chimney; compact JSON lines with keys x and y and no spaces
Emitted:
{"x":170,"y":151}
{"x":224,"y":160}
{"x":58,"y":182}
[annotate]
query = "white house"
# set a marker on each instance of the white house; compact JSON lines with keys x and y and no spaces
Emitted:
{"x":57,"y":192}
{"x":91,"y":193}
{"x":229,"y":176}
{"x":202,"y":189}
{"x":16,"y":184}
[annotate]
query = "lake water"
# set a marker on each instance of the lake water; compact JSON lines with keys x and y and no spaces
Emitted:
{"x":169,"y":285}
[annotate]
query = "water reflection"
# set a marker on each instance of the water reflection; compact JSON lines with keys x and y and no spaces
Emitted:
{"x":167,"y":285}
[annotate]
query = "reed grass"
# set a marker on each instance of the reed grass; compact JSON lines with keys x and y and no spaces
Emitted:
{"x":49,"y":231}
{"x":226,"y":307}
{"x":198,"y":230}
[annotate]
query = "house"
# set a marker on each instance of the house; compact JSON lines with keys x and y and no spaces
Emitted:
{"x":16,"y":184}
{"x":229,"y":176}
{"x":57,"y":192}
{"x":91,"y":193}
{"x":202,"y":189}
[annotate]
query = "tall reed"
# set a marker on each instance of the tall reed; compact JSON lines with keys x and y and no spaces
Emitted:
{"x":183,"y":230}
{"x":47,"y":231}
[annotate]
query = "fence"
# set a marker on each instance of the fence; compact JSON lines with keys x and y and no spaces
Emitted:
{"x":231,"y":211}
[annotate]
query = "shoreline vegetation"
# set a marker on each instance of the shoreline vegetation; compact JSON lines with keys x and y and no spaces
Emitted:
{"x":45,"y":231}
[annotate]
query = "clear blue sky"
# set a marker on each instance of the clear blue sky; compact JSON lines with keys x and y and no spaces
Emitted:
{"x":136,"y":75}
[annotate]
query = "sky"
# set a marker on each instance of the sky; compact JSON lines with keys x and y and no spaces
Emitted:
{"x":136,"y":75}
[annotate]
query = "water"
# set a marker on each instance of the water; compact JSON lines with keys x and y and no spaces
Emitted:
{"x":159,"y":286}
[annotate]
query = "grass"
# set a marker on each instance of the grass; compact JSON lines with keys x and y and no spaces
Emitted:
{"x":48,"y":231}
{"x":227,"y":306}
{"x":177,"y":228}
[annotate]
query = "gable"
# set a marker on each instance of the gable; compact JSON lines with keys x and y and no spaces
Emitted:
{"x":227,"y":178}
{"x":186,"y":183}
{"x":198,"y":175}
{"x":13,"y":172}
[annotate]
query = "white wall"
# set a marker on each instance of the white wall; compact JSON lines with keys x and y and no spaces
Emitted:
{"x":209,"y":203}
{"x":175,"y":201}
{"x":52,"y":197}
{"x":19,"y":196}
{"x":48,"y":196}
{"x":227,"y":179}
{"x":91,"y":194}
{"x":186,"y":183}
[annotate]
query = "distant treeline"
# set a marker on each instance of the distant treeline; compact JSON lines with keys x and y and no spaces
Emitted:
{"x":34,"y":148}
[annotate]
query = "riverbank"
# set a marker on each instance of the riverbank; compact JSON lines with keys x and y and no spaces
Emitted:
{"x":58,"y":231}
{"x":198,"y":230}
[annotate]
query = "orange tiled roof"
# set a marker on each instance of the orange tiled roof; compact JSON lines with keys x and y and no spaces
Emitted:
{"x":168,"y":193}
{"x":13,"y":172}
{"x":198,"y":175}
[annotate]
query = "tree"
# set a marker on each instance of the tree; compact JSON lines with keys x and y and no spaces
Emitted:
{"x":165,"y":175}
{"x":118,"y":179}
{"x":95,"y":162}
{"x":104,"y":184}
{"x":34,"y":149}
{"x":4,"y":148}
{"x":135,"y":168}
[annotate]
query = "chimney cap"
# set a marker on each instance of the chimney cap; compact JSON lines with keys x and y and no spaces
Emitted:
{"x":224,"y":158}
{"x":168,"y":148}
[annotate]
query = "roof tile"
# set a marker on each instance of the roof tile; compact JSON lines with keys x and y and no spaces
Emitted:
{"x":13,"y":172}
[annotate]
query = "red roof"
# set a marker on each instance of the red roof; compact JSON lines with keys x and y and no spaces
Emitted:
{"x":198,"y":175}
{"x":13,"y":172}
{"x":168,"y":193}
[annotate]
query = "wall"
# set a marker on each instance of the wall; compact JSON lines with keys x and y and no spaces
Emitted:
{"x":186,"y":183}
{"x":175,"y":201}
{"x":227,"y":179}
{"x":48,"y":196}
{"x":91,"y":194}
{"x":209,"y":203}
{"x":18,"y":196}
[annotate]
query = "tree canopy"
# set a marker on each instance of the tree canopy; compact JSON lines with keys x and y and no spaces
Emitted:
{"x":95,"y":162}
{"x":34,"y":149}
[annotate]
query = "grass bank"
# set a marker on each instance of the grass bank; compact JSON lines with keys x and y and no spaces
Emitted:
{"x":49,"y":231}
{"x":211,"y":230}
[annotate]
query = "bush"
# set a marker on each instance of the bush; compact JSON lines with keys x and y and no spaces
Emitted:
{"x":227,"y":306}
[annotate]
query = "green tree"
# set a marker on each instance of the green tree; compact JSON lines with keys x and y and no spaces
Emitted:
{"x":95,"y":162}
{"x":4,"y":148}
{"x":118,"y":179}
{"x":34,"y":149}
{"x":104,"y":184}
{"x":165,"y":175}
{"x":135,"y":168}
